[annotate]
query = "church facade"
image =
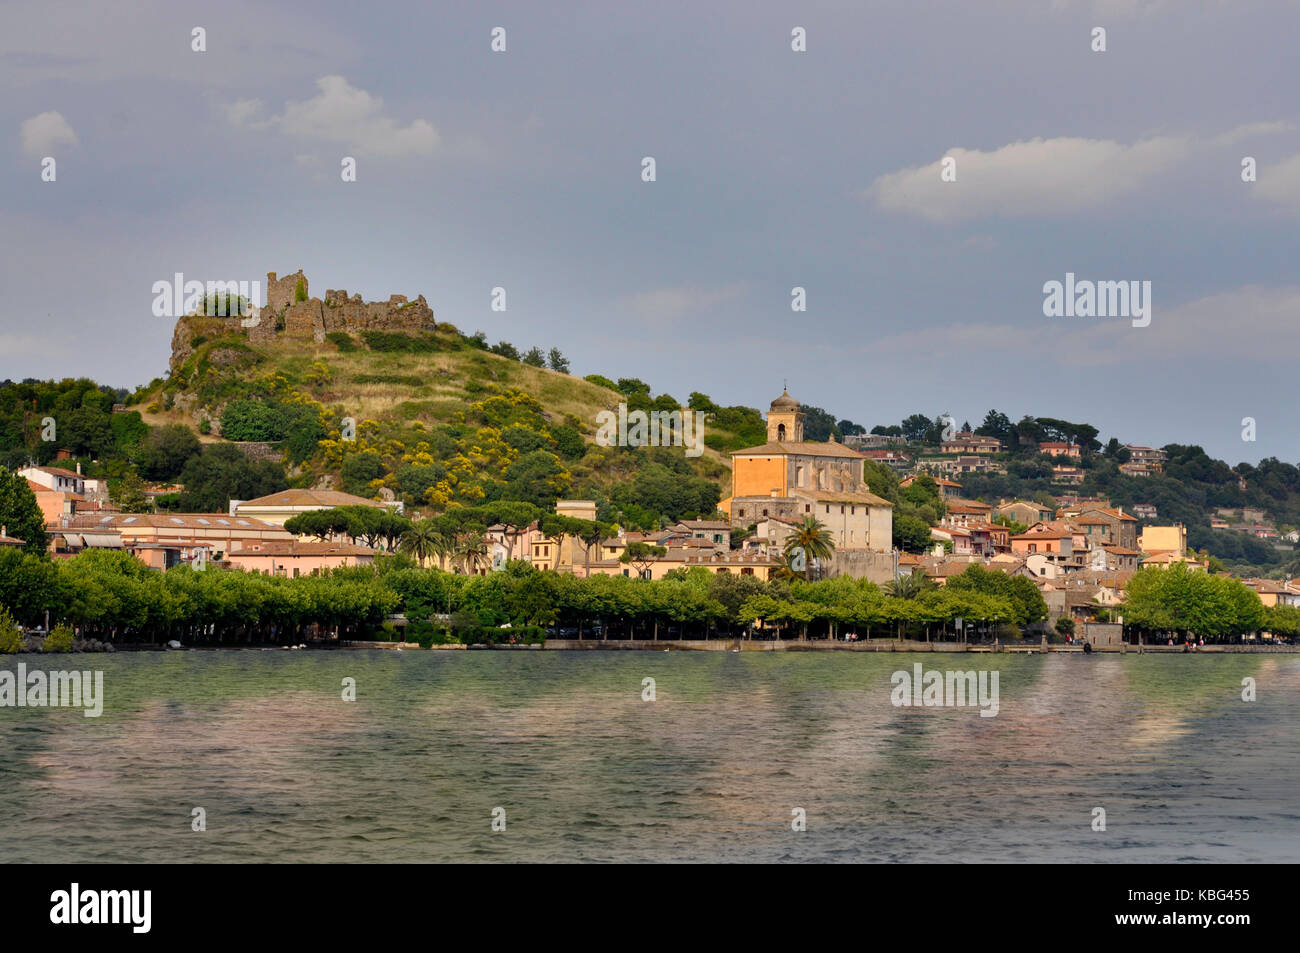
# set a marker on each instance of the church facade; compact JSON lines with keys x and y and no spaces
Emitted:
{"x":788,"y":479}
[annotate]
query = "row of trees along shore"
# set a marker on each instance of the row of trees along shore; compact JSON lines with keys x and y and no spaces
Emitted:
{"x":111,"y":596}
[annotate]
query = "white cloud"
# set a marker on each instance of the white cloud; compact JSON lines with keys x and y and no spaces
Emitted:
{"x":1040,"y":176}
{"x":667,"y":304}
{"x":25,"y":345}
{"x":43,"y":133}
{"x":1247,"y":130}
{"x":1252,"y":324}
{"x":1280,"y":183}
{"x":344,"y":114}
{"x":242,"y":111}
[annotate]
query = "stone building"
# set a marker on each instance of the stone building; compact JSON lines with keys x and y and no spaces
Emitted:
{"x":789,"y":478}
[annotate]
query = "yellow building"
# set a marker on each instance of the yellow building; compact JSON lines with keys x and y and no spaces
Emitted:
{"x":1156,"y":540}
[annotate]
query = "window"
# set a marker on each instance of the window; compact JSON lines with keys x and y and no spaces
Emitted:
{"x":765,"y":512}
{"x":807,"y":507}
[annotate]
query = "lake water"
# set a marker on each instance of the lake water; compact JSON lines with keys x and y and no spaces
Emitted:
{"x":711,"y":770}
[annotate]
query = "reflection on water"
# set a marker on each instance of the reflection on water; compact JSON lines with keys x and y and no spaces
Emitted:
{"x":287,"y":771}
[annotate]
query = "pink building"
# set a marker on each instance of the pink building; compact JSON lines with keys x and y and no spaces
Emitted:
{"x":298,"y":558}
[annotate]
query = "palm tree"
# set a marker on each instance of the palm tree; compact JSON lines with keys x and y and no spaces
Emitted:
{"x":422,"y":540}
{"x":909,"y":586}
{"x":815,"y":541}
{"x":472,"y":548}
{"x":784,"y":572}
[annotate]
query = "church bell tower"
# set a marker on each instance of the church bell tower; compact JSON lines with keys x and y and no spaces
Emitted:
{"x":784,"y":420}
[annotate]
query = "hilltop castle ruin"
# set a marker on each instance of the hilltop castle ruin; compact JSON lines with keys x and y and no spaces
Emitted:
{"x":291,"y":312}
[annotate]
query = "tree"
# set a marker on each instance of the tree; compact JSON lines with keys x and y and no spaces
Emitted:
{"x":911,"y":586}
{"x":534,"y":357}
{"x":1025,"y":599}
{"x":538,"y":478}
{"x":20,"y":514}
{"x":916,"y":428}
{"x":1015,"y":526}
{"x":166,"y":451}
{"x":11,"y":635}
{"x":505,"y":349}
{"x":131,"y":496}
{"x":911,"y":535}
{"x":558,"y":362}
{"x":29,"y":584}
{"x":818,"y":425}
{"x":1180,"y":600}
{"x":996,"y":424}
{"x":222,"y":473}
{"x":514,"y":516}
{"x":642,"y":556}
{"x":815,"y":541}
{"x":359,"y":470}
{"x":471,"y":549}
{"x":422,"y":540}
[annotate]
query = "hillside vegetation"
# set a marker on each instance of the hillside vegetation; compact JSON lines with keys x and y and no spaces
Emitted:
{"x":437,"y":419}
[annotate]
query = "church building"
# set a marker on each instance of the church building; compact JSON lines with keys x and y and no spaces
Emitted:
{"x":788,"y":479}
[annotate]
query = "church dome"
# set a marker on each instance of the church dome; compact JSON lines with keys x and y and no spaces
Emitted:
{"x":785,"y":402}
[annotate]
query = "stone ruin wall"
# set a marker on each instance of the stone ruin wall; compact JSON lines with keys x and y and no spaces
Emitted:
{"x":284,"y":316}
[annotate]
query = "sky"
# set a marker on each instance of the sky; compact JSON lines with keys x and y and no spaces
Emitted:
{"x":821,"y":168}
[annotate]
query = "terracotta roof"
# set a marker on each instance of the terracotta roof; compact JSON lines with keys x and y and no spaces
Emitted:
{"x":213,"y":521}
{"x":298,"y":548}
{"x":1112,"y":512}
{"x":805,"y":449}
{"x":58,"y":471}
{"x":326,"y":498}
{"x":842,"y":496}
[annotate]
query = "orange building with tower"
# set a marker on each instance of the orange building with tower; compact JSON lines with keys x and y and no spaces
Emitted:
{"x":790,"y":478}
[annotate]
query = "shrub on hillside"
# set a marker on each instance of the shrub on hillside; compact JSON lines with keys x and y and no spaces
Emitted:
{"x":395,"y":341}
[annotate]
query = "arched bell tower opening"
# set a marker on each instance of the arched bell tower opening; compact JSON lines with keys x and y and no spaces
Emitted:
{"x":785,"y":420}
